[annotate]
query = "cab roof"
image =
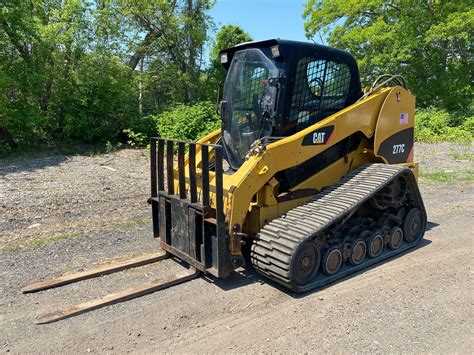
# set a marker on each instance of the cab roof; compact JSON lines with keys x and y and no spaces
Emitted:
{"x":290,"y":48}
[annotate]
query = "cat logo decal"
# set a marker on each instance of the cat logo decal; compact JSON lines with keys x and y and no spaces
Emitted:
{"x":320,"y":136}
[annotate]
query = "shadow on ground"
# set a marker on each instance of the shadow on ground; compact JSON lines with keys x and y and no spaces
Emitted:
{"x":36,"y":158}
{"x":250,"y":276}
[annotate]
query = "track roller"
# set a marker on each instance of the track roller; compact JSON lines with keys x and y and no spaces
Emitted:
{"x":414,"y":225}
{"x":305,"y":262}
{"x":396,"y":238}
{"x":358,"y":251}
{"x":375,"y":244}
{"x":332,"y":260}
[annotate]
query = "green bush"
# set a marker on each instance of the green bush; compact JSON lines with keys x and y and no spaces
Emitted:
{"x":468,"y":124}
{"x":95,"y":102}
{"x":104,"y":103}
{"x":434,"y":125}
{"x":135,"y":139}
{"x":187,"y":123}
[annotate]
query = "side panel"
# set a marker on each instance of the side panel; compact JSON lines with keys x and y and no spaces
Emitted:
{"x":397,"y":148}
{"x":394,"y":133}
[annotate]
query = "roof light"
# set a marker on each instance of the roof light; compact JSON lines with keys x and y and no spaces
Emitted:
{"x":275,"y":51}
{"x":223,"y":58}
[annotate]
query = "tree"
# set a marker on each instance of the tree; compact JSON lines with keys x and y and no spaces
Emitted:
{"x":429,"y":42}
{"x":68,"y":68}
{"x":61,"y":76}
{"x":228,"y":36}
{"x":172,"y":35}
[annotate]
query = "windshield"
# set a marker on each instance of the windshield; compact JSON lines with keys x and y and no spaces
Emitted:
{"x":249,"y":101}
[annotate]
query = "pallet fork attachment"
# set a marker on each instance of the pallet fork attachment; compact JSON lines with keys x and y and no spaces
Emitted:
{"x":112,"y":298}
{"x":184,"y":222}
{"x":187,"y":200}
{"x":97,"y":271}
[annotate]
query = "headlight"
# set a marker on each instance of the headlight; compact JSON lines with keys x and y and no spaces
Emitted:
{"x":275,"y":51}
{"x":224,"y":58}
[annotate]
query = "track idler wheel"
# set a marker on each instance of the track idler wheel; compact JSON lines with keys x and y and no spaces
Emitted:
{"x":375,"y":244}
{"x":358,"y":251}
{"x":413,"y":225}
{"x":305,"y":262}
{"x":396,"y":238}
{"x":332,"y":260}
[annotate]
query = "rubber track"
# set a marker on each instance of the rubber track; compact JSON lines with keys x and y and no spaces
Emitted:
{"x":274,"y":246}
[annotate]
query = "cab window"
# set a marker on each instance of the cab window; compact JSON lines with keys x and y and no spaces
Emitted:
{"x":321,"y":89}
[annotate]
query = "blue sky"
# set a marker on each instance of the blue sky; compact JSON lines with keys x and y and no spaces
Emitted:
{"x":263,"y":19}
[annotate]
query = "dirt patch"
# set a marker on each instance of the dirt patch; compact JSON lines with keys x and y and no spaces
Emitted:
{"x":418,"y":302}
{"x":60,"y":197}
{"x":445,"y":162}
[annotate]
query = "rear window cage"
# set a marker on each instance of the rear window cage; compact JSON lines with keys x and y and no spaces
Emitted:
{"x":321,"y":88}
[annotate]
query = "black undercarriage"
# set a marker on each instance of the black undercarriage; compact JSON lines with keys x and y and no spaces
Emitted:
{"x":374,"y":213}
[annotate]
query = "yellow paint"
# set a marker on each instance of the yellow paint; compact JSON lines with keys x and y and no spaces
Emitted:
{"x":398,"y":101}
{"x":263,"y":171}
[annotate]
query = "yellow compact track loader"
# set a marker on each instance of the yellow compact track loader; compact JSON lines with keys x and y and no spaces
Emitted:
{"x":309,"y":179}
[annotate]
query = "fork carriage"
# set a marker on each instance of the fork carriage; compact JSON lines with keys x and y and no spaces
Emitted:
{"x":188,"y":204}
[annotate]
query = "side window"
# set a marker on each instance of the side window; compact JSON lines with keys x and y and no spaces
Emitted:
{"x":337,"y":80}
{"x":321,"y":89}
{"x":315,"y":76}
{"x":250,"y":84}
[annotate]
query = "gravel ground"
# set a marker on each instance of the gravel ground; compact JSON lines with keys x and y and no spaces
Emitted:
{"x":85,"y":214}
{"x":455,"y":158}
{"x":65,"y":196}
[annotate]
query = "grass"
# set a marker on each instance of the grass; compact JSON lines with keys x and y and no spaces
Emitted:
{"x":442,"y":177}
{"x":448,"y":176}
{"x":457,"y":155}
{"x":469,"y":176}
{"x":42,"y":242}
{"x":132,"y":224}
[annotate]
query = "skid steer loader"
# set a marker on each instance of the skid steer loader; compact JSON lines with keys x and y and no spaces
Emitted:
{"x":309,"y":179}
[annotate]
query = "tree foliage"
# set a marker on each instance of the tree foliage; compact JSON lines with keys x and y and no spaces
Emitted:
{"x":188,"y":122}
{"x":429,"y":42}
{"x":228,"y":36}
{"x":173,"y":35}
{"x":86,"y":70}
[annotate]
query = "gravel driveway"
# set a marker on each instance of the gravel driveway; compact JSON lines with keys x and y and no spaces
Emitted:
{"x":66,"y":196}
{"x":60,"y":214}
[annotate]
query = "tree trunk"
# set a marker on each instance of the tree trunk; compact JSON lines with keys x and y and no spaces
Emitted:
{"x":6,"y":137}
{"x":21,"y":48}
{"x":140,"y":89}
{"x":193,"y":8}
{"x":140,"y":52}
{"x":46,"y":93}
